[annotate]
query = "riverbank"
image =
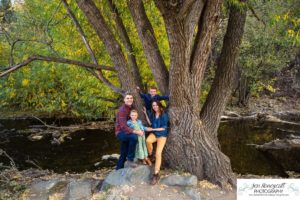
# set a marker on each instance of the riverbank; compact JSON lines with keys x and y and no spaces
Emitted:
{"x":16,"y":184}
{"x":263,"y":104}
{"x":287,"y":108}
{"x":42,"y":184}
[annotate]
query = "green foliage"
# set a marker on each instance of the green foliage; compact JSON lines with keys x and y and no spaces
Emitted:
{"x":267,"y":48}
{"x":270,"y":41}
{"x":44,"y":27}
{"x":50,"y":87}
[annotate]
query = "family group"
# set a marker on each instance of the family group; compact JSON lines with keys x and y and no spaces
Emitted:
{"x":130,"y":131}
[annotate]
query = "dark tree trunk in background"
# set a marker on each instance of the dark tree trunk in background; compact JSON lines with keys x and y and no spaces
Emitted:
{"x":243,"y":91}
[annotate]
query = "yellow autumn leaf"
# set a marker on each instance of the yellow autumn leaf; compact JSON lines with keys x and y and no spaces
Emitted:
{"x":270,"y":88}
{"x":12,"y":94}
{"x":291,"y":32}
{"x":25,"y":82}
{"x":63,"y":104}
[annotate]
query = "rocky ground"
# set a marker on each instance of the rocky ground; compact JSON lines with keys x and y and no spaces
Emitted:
{"x":266,"y":104}
{"x":129,"y":183}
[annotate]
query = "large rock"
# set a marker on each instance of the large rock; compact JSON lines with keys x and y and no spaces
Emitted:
{"x":40,"y":190}
{"x":192,"y":193}
{"x":79,"y":190}
{"x":127,"y":176}
{"x":283,"y":153}
{"x":177,"y":180}
{"x":66,"y":189}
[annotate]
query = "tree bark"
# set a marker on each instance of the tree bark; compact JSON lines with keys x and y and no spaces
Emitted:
{"x":190,"y":145}
{"x":57,"y":60}
{"x":126,"y":41}
{"x":147,"y":37}
{"x":114,"y":49}
{"x":98,"y":74}
{"x":191,"y":148}
{"x":221,"y":88}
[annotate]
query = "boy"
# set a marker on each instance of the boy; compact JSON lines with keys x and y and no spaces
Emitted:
{"x":151,"y":96}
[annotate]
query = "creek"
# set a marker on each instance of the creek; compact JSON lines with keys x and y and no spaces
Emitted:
{"x":82,"y":149}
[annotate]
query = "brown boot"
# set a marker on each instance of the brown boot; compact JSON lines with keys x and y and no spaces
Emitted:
{"x":152,"y":158}
{"x":155,"y":178}
{"x":148,"y":161}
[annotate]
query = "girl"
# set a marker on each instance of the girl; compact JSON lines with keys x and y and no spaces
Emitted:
{"x":141,"y":149}
{"x":158,"y":120}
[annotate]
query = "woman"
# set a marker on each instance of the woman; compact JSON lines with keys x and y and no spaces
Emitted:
{"x":158,"y":120}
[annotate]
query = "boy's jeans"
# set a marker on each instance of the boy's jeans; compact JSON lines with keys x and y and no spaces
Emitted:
{"x":128,"y":145}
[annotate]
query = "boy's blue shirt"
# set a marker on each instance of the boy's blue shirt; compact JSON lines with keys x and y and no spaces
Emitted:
{"x":148,"y":99}
{"x":130,"y":124}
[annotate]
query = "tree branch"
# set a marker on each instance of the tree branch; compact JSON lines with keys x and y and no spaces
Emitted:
{"x":114,"y":49}
{"x":150,"y":46}
{"x":193,"y":13}
{"x":57,"y":60}
{"x":99,"y":75}
{"x":225,"y":75}
{"x":126,"y":41}
{"x":202,"y":46}
{"x":255,"y":15}
{"x":14,"y":43}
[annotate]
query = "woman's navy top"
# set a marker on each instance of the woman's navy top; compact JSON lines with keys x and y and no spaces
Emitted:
{"x":161,"y":122}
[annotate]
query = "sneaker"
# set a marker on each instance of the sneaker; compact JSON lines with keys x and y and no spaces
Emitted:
{"x":155,"y":178}
{"x":130,"y":164}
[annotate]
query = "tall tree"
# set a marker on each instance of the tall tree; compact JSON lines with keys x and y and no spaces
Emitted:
{"x":190,"y":26}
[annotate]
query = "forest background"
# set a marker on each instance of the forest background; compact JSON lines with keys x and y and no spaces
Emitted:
{"x":270,"y":46}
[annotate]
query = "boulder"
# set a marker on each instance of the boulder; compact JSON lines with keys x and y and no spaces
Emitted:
{"x":177,"y":180}
{"x":111,"y":157}
{"x":192,"y":193}
{"x":283,"y":152}
{"x":40,"y":190}
{"x":127,"y":176}
{"x":79,"y":190}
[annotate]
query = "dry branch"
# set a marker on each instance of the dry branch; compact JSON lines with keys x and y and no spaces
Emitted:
{"x":57,"y":60}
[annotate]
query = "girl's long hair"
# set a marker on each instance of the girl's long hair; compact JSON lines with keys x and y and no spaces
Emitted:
{"x":161,"y":107}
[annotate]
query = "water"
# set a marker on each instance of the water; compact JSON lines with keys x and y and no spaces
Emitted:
{"x":84,"y":148}
{"x":235,"y":135}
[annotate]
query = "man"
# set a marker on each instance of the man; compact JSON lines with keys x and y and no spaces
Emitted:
{"x":151,"y":96}
{"x":126,"y":135}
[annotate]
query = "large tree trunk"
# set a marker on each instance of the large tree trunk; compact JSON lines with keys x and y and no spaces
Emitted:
{"x":192,"y":149}
{"x":192,"y":144}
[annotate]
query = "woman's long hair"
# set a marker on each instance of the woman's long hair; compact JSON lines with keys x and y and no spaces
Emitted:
{"x":161,"y":107}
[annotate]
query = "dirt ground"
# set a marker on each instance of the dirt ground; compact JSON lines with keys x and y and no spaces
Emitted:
{"x":13,"y":184}
{"x":163,"y":192}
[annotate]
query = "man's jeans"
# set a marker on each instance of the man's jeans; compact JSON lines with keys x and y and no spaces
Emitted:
{"x":128,"y":145}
